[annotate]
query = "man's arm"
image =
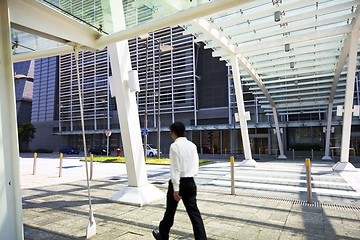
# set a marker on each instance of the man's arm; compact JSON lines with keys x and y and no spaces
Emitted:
{"x":175,"y":171}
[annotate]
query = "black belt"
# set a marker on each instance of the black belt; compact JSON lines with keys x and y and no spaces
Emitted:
{"x":186,"y":178}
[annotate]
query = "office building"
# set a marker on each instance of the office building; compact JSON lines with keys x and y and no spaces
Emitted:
{"x":24,"y":77}
{"x":44,"y":114}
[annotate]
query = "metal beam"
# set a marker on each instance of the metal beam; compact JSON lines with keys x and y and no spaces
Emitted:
{"x":280,"y":49}
{"x":301,"y":104}
{"x":244,"y":16}
{"x":282,"y":110}
{"x":241,"y":111}
{"x":301,"y":91}
{"x":328,"y":127}
{"x":355,"y":23}
{"x":348,"y":106}
{"x":255,"y":36}
{"x":294,"y":39}
{"x":340,"y":65}
{"x":299,"y":99}
{"x":42,"y":53}
{"x":299,"y":88}
{"x":303,"y":52}
{"x":278,"y":135}
{"x":295,"y":78}
{"x":296,"y":72}
{"x":288,"y":20}
{"x":302,"y":58}
{"x":36,"y":18}
{"x":299,"y":65}
{"x":302,"y":83}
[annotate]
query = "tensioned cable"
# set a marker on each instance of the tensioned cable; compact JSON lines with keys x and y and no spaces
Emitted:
{"x":92,"y":225}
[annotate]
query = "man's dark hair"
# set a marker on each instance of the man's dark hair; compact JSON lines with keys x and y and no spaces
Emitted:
{"x":178,"y":128}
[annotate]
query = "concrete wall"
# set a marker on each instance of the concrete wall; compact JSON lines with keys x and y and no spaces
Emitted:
{"x":44,"y":137}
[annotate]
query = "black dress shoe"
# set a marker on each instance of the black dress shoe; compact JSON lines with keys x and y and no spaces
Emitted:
{"x":156,"y":235}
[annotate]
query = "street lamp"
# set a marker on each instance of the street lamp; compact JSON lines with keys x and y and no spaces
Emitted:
{"x":146,"y":92}
{"x":60,"y":117}
{"x":162,"y":48}
{"x":60,"y":120}
{"x":107,"y":137}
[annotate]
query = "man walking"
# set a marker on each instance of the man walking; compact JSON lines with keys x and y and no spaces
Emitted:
{"x":184,"y":165}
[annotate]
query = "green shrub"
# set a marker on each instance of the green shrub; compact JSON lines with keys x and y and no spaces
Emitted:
{"x":43,"y":150}
{"x":25,"y":150}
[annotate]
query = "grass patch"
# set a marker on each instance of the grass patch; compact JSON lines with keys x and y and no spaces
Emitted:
{"x":148,"y":160}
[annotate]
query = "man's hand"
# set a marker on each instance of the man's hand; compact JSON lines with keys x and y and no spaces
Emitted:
{"x":177,"y":197}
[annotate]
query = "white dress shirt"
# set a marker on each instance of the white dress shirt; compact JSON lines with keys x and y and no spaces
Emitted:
{"x":184,"y":161}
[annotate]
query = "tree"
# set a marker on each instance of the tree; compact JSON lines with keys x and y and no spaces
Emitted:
{"x":26,"y":133}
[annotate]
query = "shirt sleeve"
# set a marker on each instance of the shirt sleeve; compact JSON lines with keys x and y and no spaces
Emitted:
{"x":174,"y":168}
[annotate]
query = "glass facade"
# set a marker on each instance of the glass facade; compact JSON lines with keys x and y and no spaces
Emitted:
{"x":45,"y":90}
{"x":94,"y":73}
{"x":175,"y":74}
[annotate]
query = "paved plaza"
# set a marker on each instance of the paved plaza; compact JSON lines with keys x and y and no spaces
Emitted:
{"x":270,"y":201}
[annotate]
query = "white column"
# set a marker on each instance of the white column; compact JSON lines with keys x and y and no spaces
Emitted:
{"x":349,"y":95}
{"x":328,"y":129}
{"x":11,"y":226}
{"x":248,"y":161}
{"x":139,"y":191}
{"x":278,"y":135}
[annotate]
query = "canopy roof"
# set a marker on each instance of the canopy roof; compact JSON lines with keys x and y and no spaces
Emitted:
{"x":292,"y":52}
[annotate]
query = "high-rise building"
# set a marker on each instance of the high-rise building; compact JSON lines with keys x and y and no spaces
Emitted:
{"x":24,"y":77}
{"x":94,"y":74}
{"x":44,"y":114}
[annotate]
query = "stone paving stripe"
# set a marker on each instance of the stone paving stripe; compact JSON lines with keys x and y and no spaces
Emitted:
{"x":286,"y":188}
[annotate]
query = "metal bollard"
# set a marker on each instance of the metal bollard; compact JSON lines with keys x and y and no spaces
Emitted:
{"x":293,"y":154}
{"x":312,"y":154}
{"x":201,"y":151}
{"x":308,"y":180}
{"x":259,"y":153}
{"x":354,"y":155}
{"x":213,"y":151}
{"x":91,"y":166}
{"x":225,"y":151}
{"x":34,"y":166}
{"x":61,"y":162}
{"x":232,"y":176}
{"x":275,"y":153}
{"x":332,"y":154}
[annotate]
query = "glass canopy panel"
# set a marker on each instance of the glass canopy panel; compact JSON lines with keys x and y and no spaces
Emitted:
{"x":92,"y":13}
{"x":24,"y":42}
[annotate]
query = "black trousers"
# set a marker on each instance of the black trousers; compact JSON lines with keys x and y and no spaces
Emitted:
{"x":188,"y":194}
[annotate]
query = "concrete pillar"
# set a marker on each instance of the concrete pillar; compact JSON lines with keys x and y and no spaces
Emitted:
{"x":349,"y":95}
{"x":11,"y":226}
{"x":139,"y":191}
{"x":327,"y":157}
{"x":278,"y":135}
{"x":248,"y":161}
